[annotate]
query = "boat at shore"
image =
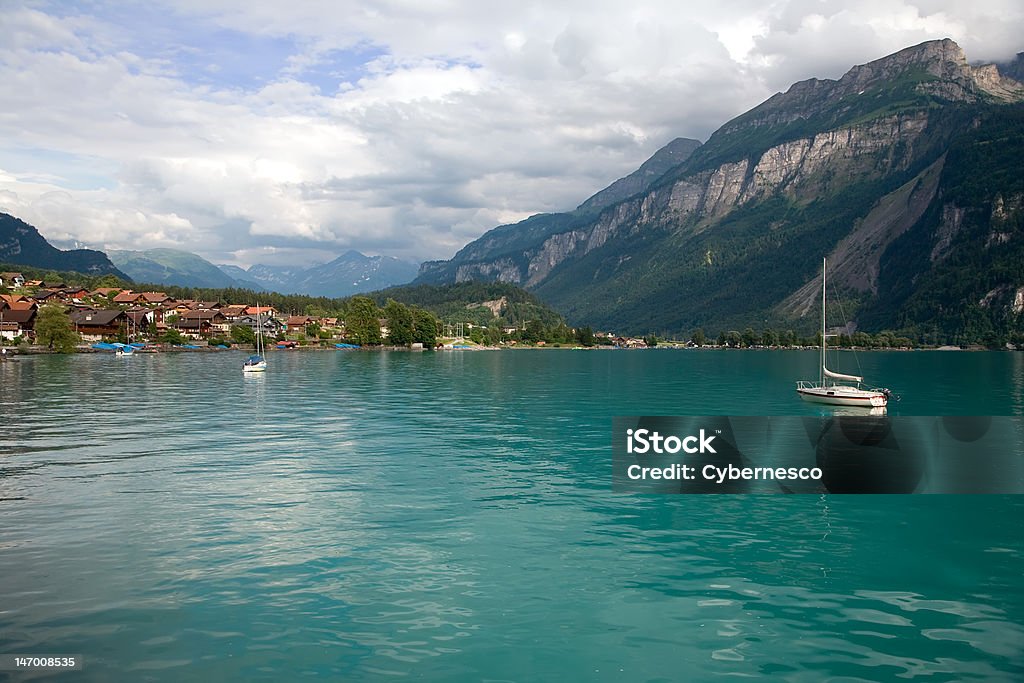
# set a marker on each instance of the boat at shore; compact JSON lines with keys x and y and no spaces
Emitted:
{"x":829,"y":389}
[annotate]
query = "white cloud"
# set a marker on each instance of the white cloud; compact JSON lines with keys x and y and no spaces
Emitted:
{"x":243,"y":130}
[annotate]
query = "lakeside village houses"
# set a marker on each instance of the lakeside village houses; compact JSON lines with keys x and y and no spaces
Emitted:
{"x":109,"y":312}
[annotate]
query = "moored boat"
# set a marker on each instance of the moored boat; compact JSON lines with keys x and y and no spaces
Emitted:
{"x":828,"y":389}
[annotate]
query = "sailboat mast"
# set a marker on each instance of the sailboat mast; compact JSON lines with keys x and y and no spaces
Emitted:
{"x":821,"y":372}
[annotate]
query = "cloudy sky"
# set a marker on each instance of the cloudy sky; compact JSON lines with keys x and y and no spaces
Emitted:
{"x":287,"y":132}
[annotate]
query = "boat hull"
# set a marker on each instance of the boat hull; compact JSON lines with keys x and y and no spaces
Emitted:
{"x":843,"y":396}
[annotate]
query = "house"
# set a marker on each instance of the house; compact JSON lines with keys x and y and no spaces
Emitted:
{"x":53,"y":284}
{"x":15,"y":302}
{"x":271,"y":326}
{"x":234,"y":312}
{"x":75,"y":294}
{"x":297,"y":323}
{"x":94,"y":325}
{"x":141,"y":318}
{"x":260,"y":310}
{"x":46,"y":295}
{"x":17,"y":323}
{"x":155,"y":298}
{"x":105,"y":291}
{"x":129,"y":297}
{"x":12,"y":280}
{"x":630,"y":343}
{"x":202,"y":322}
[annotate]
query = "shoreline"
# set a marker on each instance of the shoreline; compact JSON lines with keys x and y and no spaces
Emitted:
{"x":14,"y":352}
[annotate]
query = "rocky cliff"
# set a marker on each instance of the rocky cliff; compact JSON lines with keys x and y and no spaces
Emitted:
{"x":840,"y":168}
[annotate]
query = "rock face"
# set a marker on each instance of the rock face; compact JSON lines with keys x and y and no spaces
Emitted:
{"x":669,"y":156}
{"x":839,"y":168}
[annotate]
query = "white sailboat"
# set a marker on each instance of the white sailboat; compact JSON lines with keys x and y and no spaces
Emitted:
{"x":829,"y":390}
{"x":257,"y":363}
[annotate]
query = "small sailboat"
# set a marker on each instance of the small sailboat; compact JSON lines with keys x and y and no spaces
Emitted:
{"x":829,"y":390}
{"x":257,"y":363}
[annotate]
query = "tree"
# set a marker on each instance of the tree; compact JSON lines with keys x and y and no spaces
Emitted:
{"x":698,"y":337}
{"x":424,"y":327}
{"x":172,"y":336}
{"x":400,"y":323}
{"x":363,"y":321}
{"x":54,"y":329}
{"x":242,"y":334}
{"x":750,"y":337}
{"x":109,"y":281}
{"x":585,"y":336}
{"x":534,"y":331}
{"x":769,"y":337}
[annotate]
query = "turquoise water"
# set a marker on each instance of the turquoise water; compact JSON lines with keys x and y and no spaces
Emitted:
{"x":448,"y":516}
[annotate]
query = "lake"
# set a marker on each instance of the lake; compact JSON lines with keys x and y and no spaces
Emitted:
{"x":448,"y":516}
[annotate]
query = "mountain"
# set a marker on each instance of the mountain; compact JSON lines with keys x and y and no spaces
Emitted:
{"x":172,"y":267}
{"x":672,"y":154}
{"x":904,"y":173}
{"x":241,"y":277}
{"x":21,"y":243}
{"x":350,"y":273}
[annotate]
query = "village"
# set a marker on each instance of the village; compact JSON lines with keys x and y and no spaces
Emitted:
{"x":122,"y":314}
{"x":114,"y":313}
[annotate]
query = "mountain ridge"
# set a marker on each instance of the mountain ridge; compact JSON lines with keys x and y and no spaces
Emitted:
{"x":350,"y":273}
{"x":22,"y":243}
{"x":794,"y":176}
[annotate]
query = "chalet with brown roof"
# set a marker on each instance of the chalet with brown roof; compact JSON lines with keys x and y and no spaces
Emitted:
{"x":105,"y":291}
{"x":94,"y":325}
{"x":127,"y":296}
{"x":179,"y":309}
{"x":233,"y":313}
{"x":17,"y":323}
{"x":16,"y":302}
{"x":155,"y":297}
{"x":74,"y":293}
{"x":297,"y":323}
{"x":53,"y":284}
{"x":203,"y":322}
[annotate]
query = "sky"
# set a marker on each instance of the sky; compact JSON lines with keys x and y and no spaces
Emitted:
{"x":286,"y":133}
